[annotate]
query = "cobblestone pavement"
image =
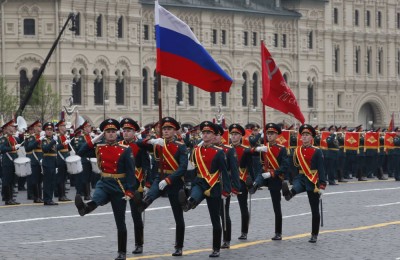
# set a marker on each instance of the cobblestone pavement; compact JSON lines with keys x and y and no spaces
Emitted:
{"x":361,"y":221}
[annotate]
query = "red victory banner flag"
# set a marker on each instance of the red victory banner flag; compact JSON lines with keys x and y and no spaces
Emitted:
{"x":245,"y":138}
{"x":391,"y":124}
{"x":323,"y":144}
{"x":388,"y":143}
{"x":284,"y":138}
{"x":351,"y":141}
{"x":225,"y":137}
{"x":371,"y":140}
{"x":276,"y":93}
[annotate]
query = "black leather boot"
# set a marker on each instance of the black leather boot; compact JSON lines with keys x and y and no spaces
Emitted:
{"x":87,"y":191}
{"x":215,"y":253}
{"x":144,"y":204}
{"x":179,"y":237}
{"x":61,"y":192}
{"x":313,"y":238}
{"x":36,"y":194}
{"x":138,"y":240}
{"x":122,"y":239}
{"x":84,"y":208}
{"x":278,"y":236}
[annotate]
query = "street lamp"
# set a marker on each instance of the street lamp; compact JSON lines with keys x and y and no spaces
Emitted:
{"x":105,"y":102}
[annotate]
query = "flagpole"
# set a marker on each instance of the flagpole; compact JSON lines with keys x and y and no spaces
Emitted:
{"x":159,"y":121}
{"x":263,"y":106}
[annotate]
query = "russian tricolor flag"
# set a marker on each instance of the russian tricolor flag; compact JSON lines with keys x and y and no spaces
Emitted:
{"x":181,"y":56}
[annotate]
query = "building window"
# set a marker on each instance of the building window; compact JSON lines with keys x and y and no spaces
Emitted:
{"x":398,"y":20}
{"x":340,"y":101}
{"x":214,"y":36}
{"x":310,"y":95}
{"x":213,"y":101}
{"x":99,"y":90}
{"x":356,"y":18}
{"x":29,"y":26}
{"x":380,"y":61}
{"x":223,"y":37}
{"x":78,"y":24}
{"x":120,"y":27}
{"x":146,"y":35}
{"x":369,"y":61}
{"x":284,"y":39}
{"x":224,"y":99}
{"x":179,"y":92}
{"x":310,"y":40}
{"x":77,"y":90}
{"x":245,"y":38}
{"x":155,"y":89}
{"x":244,"y":90}
{"x":337,"y":59}
{"x":357,"y":60}
{"x":145,"y":87}
{"x":276,"y":40}
{"x":254,"y":39}
{"x":335,"y":16}
{"x":368,"y":19}
{"x":255,"y":90}
{"x":191,"y":95}
{"x":99,"y":26}
{"x":398,"y":62}
{"x":379,"y":18}
{"x":119,"y":91}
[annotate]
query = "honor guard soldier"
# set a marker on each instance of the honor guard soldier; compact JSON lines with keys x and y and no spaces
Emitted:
{"x":311,"y":178}
{"x":233,"y":172}
{"x":331,"y":155}
{"x":83,"y":182}
{"x":130,"y":130}
{"x":246,"y":174}
{"x":34,"y":152}
{"x":9,"y":144}
{"x":63,"y":149}
{"x":396,"y":153}
{"x":275,"y":165}
{"x":117,"y":181}
{"x":361,"y":169}
{"x":49,"y":163}
{"x":255,"y":137}
{"x":341,"y":155}
{"x":212,"y":182}
{"x":169,"y":171}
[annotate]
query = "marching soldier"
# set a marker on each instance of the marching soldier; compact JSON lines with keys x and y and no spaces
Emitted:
{"x":63,"y":152}
{"x":9,"y":144}
{"x":275,"y":165}
{"x":341,"y":155}
{"x":396,"y":154}
{"x":34,"y":152}
{"x":83,"y":182}
{"x":49,"y":163}
{"x":311,"y":178}
{"x":117,"y":179}
{"x":361,"y":169}
{"x":233,"y":173}
{"x":246,"y":174}
{"x":142,"y":166}
{"x":212,"y":182}
{"x":331,"y":155}
{"x":170,"y":168}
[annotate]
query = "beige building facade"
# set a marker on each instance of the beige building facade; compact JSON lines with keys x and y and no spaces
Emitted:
{"x":341,"y":58}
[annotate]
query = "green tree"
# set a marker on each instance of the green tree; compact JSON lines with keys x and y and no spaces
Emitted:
{"x":44,"y":103}
{"x":8,"y":101}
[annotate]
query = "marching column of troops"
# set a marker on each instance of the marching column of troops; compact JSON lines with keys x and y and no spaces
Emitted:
{"x":207,"y":163}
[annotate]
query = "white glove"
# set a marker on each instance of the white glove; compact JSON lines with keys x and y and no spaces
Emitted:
{"x":42,"y":137}
{"x":157,"y":141}
{"x":145,"y":190}
{"x":67,"y":142}
{"x":223,"y":197}
{"x":16,"y":134}
{"x":321,"y":192}
{"x":97,"y":139}
{"x":183,"y":136}
{"x":266,"y":175}
{"x":55,"y":138}
{"x":162,"y":184}
{"x":17,"y":146}
{"x":261,"y":149}
{"x":262,"y":134}
{"x":42,"y":133}
{"x":92,"y":135}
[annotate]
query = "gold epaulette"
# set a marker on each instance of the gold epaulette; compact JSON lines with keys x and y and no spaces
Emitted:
{"x":217,"y":147}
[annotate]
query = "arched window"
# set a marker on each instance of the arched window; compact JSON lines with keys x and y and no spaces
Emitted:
{"x":77,"y":89}
{"x":255,"y":90}
{"x":310,"y":94}
{"x":99,"y":88}
{"x":120,"y":27}
{"x":99,"y":24}
{"x":191,"y":95}
{"x":145,"y":87}
{"x":244,"y":90}
{"x":23,"y":84}
{"x":120,"y":89}
{"x":155,"y":89}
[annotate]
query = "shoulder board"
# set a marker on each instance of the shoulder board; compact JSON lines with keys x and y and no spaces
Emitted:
{"x":227,"y":145}
{"x":179,"y":142}
{"x":315,"y":147}
{"x":245,"y":146}
{"x":101,"y":145}
{"x":123,"y":145}
{"x":217,"y":147}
